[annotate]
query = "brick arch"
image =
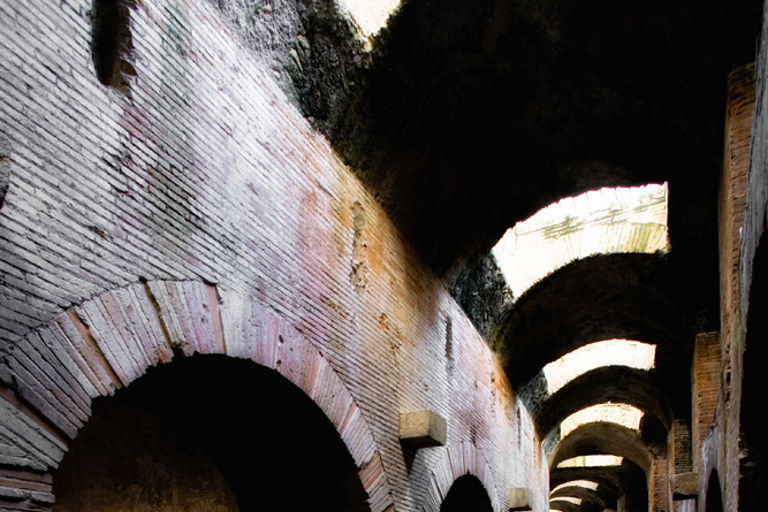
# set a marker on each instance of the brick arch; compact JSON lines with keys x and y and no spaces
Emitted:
{"x":459,"y":460}
{"x":110,"y":340}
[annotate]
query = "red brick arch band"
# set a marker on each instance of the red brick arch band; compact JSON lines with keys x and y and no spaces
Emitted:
{"x":110,"y":340}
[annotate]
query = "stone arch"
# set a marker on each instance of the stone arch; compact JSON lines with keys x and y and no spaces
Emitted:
{"x":457,"y":461}
{"x":637,"y":388}
{"x":588,"y":496}
{"x":603,"y":438}
{"x":594,"y":299}
{"x":110,"y":340}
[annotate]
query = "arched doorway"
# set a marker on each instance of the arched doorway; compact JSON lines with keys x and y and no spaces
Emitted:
{"x":221,"y":434}
{"x":467,"y":494}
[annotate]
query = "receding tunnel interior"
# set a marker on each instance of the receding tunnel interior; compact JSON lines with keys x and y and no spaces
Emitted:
{"x":208,"y":433}
{"x":624,"y":484}
{"x":467,"y":494}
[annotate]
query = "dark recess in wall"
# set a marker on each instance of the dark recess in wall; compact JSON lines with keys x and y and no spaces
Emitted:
{"x":5,"y":167}
{"x":753,"y":443}
{"x":274,"y":446}
{"x":467,"y":493}
{"x":111,"y":43}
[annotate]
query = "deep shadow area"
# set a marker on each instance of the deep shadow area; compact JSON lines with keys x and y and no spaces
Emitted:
{"x":467,"y":494}
{"x":754,"y":476}
{"x":125,"y":458}
{"x":714,"y":495}
{"x":111,"y":42}
{"x":273,"y":445}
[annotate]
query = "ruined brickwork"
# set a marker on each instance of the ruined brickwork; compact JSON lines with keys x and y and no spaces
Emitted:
{"x":188,"y":205}
{"x":732,"y":202}
{"x":706,"y":379}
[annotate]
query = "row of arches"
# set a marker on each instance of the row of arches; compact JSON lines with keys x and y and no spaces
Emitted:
{"x":625,"y":411}
{"x":595,"y":345}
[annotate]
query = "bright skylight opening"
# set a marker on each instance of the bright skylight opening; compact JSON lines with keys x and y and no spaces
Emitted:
{"x":621,"y":414}
{"x":605,"y":221}
{"x":585,"y":484}
{"x":569,"y":499}
{"x":633,"y":354}
{"x":591,"y":461}
{"x":369,"y":15}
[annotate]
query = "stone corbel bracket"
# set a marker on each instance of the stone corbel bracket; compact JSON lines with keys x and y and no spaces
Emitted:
{"x":423,"y":429}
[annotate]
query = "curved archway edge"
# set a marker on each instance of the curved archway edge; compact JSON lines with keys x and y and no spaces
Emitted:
{"x":459,"y":460}
{"x":110,"y":340}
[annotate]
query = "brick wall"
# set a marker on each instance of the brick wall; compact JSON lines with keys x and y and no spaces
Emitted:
{"x":706,"y":380}
{"x":199,"y":170}
{"x":659,"y":499}
{"x":732,"y":201}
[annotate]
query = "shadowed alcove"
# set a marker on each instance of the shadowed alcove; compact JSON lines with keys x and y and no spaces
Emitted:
{"x":187,"y":432}
{"x":467,"y":494}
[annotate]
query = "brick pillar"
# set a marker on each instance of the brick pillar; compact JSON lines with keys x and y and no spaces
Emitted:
{"x":679,"y":447}
{"x":732,"y":190}
{"x":705,"y":379}
{"x":658,"y":487}
{"x":684,"y":483}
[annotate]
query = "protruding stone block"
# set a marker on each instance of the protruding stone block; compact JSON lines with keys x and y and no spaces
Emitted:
{"x":685,"y":485}
{"x":520,"y":499}
{"x":421,"y":429}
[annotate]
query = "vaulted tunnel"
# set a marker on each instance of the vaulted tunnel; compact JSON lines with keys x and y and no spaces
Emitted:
{"x":501,"y":108}
{"x":591,"y":500}
{"x":598,"y":298}
{"x":607,"y":384}
{"x":625,"y":483}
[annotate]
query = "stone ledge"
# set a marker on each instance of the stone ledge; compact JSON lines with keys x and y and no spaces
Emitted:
{"x":520,"y":499}
{"x":685,"y":485}
{"x":422,"y":429}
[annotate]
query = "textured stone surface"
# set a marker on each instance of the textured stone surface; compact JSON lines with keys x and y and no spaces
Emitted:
{"x":421,"y":429}
{"x":519,"y":498}
{"x":685,"y":485}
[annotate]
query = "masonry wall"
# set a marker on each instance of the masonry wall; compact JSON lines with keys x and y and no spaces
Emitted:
{"x":194,"y":167}
{"x":751,"y":346}
{"x":732,"y":202}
